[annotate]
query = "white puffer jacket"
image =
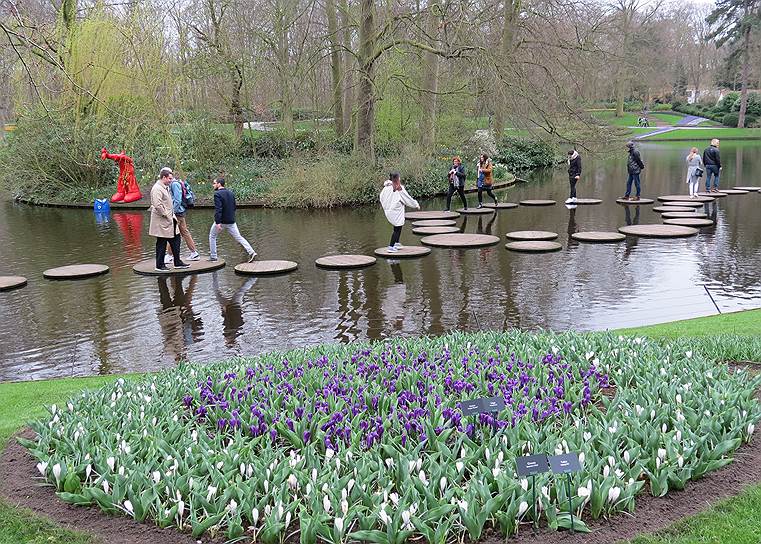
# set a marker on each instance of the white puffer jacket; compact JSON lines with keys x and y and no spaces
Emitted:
{"x":393,"y":203}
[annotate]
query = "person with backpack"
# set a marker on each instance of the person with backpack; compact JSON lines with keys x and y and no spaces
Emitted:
{"x":182,"y":199}
{"x":634,"y":165}
{"x":224,"y":219}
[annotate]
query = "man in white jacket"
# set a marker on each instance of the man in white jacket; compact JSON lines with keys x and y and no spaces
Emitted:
{"x":394,"y":197}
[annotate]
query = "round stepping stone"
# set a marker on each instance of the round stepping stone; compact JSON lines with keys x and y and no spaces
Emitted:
{"x":148,"y":268}
{"x":475,"y":211}
{"x":713,"y":195}
{"x":501,"y":205}
{"x":587,"y":201}
{"x":532,"y":235}
{"x":265,"y":268}
{"x":598,"y":237}
{"x":733,"y":191}
{"x":11,"y":282}
{"x":661,"y":209}
{"x":679,"y":198}
{"x":405,"y":252}
{"x":434,"y":223}
{"x":635,"y":202}
{"x":658,"y":231}
{"x":533,"y":246}
{"x":685,"y":203}
{"x":689,"y":222}
{"x":343,"y":262}
{"x":537,"y":202}
{"x":460,"y":240}
{"x":675,"y":215}
{"x":431,"y":215}
{"x":748,"y":188}
{"x":75,"y":271}
{"x":435,"y":230}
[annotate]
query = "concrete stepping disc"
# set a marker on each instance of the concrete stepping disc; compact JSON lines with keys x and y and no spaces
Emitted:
{"x":11,"y":282}
{"x":733,"y":192}
{"x":537,"y":202}
{"x":406,"y":252}
{"x":658,"y":231}
{"x":75,"y":271}
{"x":635,"y":202}
{"x":587,"y":201}
{"x":343,"y":262}
{"x":661,"y":209}
{"x":501,"y":205}
{"x":685,"y":203}
{"x":460,"y":240}
{"x":475,"y":211}
{"x":434,"y":230}
{"x":533,"y":246}
{"x":532,"y":235}
{"x":431,"y":215}
{"x":675,"y":215}
{"x":689,"y":222}
{"x":748,"y":188}
{"x":677,"y":198}
{"x":264,"y":268}
{"x":434,"y":223}
{"x":148,"y":268}
{"x":598,"y":237}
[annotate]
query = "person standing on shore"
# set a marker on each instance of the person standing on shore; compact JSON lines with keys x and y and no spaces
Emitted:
{"x":695,"y":169}
{"x":574,"y":173}
{"x":485,"y":179}
{"x":163,"y":222}
{"x":178,"y":188}
{"x":712,"y":162}
{"x":224,"y":219}
{"x":634,"y":165}
{"x":456,"y":178}
{"x":394,"y":197}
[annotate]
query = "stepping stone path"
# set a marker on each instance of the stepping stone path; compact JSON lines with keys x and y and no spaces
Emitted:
{"x":635,"y":202}
{"x":685,"y":203}
{"x":587,"y":201}
{"x":460,"y":240}
{"x":748,"y":188}
{"x":11,"y":282}
{"x":532,"y":235}
{"x":689,"y":222}
{"x":537,"y":202}
{"x":685,"y":198}
{"x":405,"y":252}
{"x":435,"y":230}
{"x":675,"y":215}
{"x":533,"y":246}
{"x":501,"y":205}
{"x":148,"y":268}
{"x":343,"y":262}
{"x":713,"y":195}
{"x":475,"y":211}
{"x":598,"y":237}
{"x":658,"y":231}
{"x":734,"y":192}
{"x":431,"y":215}
{"x":434,"y":223}
{"x":265,"y":268}
{"x":75,"y":271}
{"x":661,"y":209}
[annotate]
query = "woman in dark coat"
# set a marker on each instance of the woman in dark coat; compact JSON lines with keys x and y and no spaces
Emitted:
{"x":456,"y":178}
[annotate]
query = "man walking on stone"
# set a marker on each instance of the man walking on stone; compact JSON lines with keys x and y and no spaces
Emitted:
{"x":164,"y":223}
{"x":224,"y":219}
{"x":712,"y":162}
{"x":634,"y":165}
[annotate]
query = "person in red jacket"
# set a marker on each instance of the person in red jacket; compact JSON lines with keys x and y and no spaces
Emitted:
{"x":127,"y":189}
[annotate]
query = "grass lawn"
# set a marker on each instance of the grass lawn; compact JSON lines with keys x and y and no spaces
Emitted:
{"x":609,"y":116}
{"x":670,"y":118}
{"x":734,"y":521}
{"x":701,"y":135}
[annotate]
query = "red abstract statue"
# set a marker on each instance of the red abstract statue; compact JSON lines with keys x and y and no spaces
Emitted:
{"x":127,"y":189}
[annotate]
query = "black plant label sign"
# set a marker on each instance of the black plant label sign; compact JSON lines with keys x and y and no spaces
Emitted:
{"x":531,"y":465}
{"x":566,"y":463}
{"x":472,"y":407}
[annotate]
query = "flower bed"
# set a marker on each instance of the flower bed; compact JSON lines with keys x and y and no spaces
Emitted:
{"x":368,"y":442}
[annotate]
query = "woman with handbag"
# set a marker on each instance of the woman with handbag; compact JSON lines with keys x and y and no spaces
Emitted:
{"x":485,"y":179}
{"x":456,"y":177}
{"x":695,"y":171}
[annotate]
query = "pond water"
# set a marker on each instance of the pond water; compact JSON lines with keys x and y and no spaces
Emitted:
{"x":123,"y":322}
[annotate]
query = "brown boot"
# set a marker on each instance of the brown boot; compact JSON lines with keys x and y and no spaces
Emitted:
{"x":634,"y":198}
{"x":625,"y":198}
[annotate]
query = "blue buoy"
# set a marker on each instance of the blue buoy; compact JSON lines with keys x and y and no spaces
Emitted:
{"x":101,"y":205}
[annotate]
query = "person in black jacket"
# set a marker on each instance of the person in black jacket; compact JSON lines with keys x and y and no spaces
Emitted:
{"x":456,"y":178}
{"x":224,"y":219}
{"x":574,"y":173}
{"x":634,"y":165}
{"x":712,"y":162}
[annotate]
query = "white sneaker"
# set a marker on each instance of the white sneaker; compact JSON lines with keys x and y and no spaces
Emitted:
{"x":569,"y":201}
{"x":194,"y":256}
{"x":398,"y":245}
{"x":392,"y":249}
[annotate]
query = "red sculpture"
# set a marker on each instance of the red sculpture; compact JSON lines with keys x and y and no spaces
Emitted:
{"x":127,"y":189}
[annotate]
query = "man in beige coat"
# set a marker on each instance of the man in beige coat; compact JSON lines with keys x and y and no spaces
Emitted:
{"x":163,"y":222}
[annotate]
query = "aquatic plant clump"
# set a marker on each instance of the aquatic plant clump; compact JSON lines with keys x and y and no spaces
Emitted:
{"x":368,"y":443}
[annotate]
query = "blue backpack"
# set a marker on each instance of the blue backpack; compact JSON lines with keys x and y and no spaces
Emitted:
{"x":188,"y":198}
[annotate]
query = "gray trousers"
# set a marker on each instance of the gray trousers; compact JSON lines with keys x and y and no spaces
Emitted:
{"x":234,"y":232}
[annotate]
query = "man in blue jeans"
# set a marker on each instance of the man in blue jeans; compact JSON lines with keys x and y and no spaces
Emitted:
{"x":712,"y":162}
{"x":634,"y":165}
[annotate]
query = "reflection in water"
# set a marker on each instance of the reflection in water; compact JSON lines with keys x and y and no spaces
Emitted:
{"x":232,"y":308}
{"x":572,"y":227}
{"x":131,"y":226}
{"x":179,"y":324}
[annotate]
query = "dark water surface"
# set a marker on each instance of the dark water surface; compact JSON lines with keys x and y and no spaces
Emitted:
{"x":123,"y":322}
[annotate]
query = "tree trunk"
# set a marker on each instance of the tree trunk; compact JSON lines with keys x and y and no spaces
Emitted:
{"x":429,"y":96}
{"x":335,"y":67}
{"x":284,"y":69}
{"x":348,"y":69}
{"x":745,"y":70}
{"x":236,"y":109}
{"x":365,"y":138}
{"x":510,"y":12}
